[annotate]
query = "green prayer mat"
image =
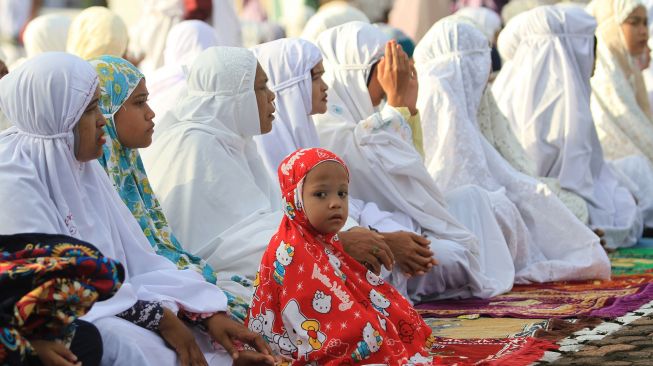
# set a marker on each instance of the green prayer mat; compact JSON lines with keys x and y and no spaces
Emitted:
{"x":632,"y":260}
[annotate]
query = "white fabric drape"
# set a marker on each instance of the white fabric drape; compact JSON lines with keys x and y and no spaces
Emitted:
{"x":544,"y":92}
{"x":453,"y":65}
{"x":45,"y":189}
{"x":185,"y":42}
{"x":204,"y":166}
{"x":386,"y":169}
{"x":496,"y":129}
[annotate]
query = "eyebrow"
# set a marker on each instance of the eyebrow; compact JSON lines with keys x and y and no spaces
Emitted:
{"x":636,"y":18}
{"x":93,"y":101}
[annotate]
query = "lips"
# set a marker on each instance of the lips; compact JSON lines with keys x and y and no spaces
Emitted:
{"x":336,"y":217}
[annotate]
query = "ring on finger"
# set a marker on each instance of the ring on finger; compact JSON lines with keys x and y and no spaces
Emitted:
{"x":375,"y":251}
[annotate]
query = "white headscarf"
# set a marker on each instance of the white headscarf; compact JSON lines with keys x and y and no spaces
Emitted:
{"x":185,"y":42}
{"x":329,"y":16}
{"x":488,"y":21}
{"x":45,"y":189}
{"x":226,"y":23}
{"x":97,"y":31}
{"x":288,"y":64}
{"x":148,"y":36}
{"x":453,"y":64}
{"x":544,"y":92}
{"x":620,"y":105}
{"x":46,"y":33}
{"x":204,"y":166}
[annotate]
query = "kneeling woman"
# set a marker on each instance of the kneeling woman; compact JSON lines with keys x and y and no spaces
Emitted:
{"x":313,"y":302}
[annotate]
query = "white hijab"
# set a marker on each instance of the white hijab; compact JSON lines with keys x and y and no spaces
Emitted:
{"x":329,"y":16}
{"x":46,"y":33}
{"x":453,"y":64}
{"x":388,"y":169}
{"x":185,"y":42}
{"x":205,"y":168}
{"x":288,"y":64}
{"x":148,"y":36}
{"x":548,"y":110}
{"x":97,"y":31}
{"x":488,"y":21}
{"x":45,"y":189}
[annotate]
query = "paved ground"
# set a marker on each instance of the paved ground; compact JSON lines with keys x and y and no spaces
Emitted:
{"x":626,"y":341}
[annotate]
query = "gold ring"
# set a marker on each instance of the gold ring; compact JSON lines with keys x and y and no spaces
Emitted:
{"x":375,"y":251}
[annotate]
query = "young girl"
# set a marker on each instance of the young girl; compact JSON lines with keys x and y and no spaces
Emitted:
{"x":313,"y":302}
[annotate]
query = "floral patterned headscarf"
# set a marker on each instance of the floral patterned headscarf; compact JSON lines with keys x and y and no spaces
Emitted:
{"x":315,"y":303}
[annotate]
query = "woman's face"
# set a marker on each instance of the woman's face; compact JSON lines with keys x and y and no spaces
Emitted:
{"x":374,"y":87}
{"x":89,"y":136}
{"x":3,"y":69}
{"x":635,"y":30}
{"x":319,"y":90}
{"x":264,"y":100}
{"x":134,"y":119}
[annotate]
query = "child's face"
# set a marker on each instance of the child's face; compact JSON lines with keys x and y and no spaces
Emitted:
{"x":325,"y":196}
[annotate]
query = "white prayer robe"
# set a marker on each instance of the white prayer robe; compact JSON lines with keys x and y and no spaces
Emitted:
{"x":453,"y":65}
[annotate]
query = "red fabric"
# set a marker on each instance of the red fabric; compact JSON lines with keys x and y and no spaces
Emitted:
{"x":198,"y":9}
{"x":521,"y":351}
{"x":313,"y":302}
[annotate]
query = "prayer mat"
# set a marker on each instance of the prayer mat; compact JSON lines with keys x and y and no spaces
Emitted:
{"x":520,"y":351}
{"x":603,"y":299}
{"x":635,"y":260}
{"x":463,"y":328}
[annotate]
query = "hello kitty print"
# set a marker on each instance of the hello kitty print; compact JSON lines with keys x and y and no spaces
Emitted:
{"x":315,"y":304}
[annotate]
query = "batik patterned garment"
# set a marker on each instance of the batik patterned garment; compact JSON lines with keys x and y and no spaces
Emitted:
{"x":47,"y":282}
{"x":316,"y":304}
{"x":118,"y":79}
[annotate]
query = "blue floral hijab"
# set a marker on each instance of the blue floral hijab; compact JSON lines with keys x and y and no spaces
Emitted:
{"x":118,"y":79}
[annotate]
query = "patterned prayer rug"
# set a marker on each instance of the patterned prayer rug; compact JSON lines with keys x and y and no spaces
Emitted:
{"x":632,"y":260}
{"x":520,"y":351}
{"x":465,"y":328}
{"x":603,"y":299}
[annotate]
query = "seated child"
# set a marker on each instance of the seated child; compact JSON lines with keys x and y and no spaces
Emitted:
{"x":315,"y":303}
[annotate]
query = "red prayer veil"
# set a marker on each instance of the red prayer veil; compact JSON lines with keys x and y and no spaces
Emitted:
{"x":316,"y":304}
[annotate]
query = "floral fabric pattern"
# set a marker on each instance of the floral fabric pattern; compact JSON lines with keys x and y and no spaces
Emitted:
{"x":118,"y":79}
{"x":316,"y":304}
{"x":47,"y":282}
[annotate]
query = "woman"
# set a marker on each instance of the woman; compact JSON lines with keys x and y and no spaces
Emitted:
{"x":620,"y":106}
{"x":205,"y":168}
{"x":56,"y":178}
{"x":97,"y":31}
{"x":378,"y":146}
{"x":185,"y":42}
{"x":549,"y":113}
{"x":45,"y":33}
{"x":453,"y":65}
{"x":129,"y":127}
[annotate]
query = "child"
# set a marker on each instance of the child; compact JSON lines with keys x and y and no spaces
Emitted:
{"x":313,"y":302}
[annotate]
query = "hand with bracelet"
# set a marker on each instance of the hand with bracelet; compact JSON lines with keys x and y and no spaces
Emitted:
{"x":223,"y":330}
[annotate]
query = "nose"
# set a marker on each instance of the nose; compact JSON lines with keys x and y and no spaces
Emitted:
{"x":150,"y":113}
{"x":335,"y":203}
